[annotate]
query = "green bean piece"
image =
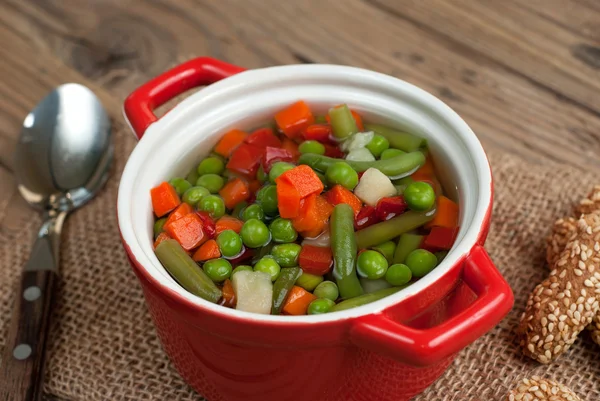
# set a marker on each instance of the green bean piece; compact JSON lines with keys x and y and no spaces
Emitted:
{"x":406,"y":244}
{"x":394,"y":167}
{"x":387,"y":249}
{"x":389,"y":153}
{"x":365,"y":299}
{"x":343,"y":247}
{"x":397,"y":139}
{"x":187,"y":273}
{"x":309,"y":281}
{"x":342,"y":122}
{"x":386,"y":230}
{"x":404,"y":181}
{"x":282,"y":286}
{"x":158,"y":226}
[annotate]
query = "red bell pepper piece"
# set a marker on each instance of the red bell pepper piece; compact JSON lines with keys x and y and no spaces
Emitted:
{"x":288,"y":200}
{"x":338,"y":194}
{"x":263,"y":137}
{"x":179,"y":212}
{"x":333,"y":151}
{"x":246,"y":159}
{"x":188,"y":231}
{"x":390,"y":207}
{"x":304,"y":179}
{"x":440,"y":238}
{"x":273,"y":155}
{"x":318,"y":132}
{"x":315,"y":260}
{"x":365,"y":218}
{"x":294,"y":119}
{"x":291,"y":147}
{"x":164,"y":199}
{"x":208,"y":224}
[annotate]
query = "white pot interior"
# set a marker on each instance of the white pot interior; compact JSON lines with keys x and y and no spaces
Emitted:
{"x":176,"y":143}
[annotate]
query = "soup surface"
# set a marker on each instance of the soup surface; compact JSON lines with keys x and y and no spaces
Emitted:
{"x":305,"y":215}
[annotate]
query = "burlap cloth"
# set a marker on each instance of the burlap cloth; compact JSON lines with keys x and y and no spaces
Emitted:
{"x":103,"y":345}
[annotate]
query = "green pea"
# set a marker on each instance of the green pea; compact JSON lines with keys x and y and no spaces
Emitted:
{"x":211,"y":165}
{"x":192,"y":177}
{"x":180,"y":184}
{"x":283,"y":231}
{"x":377,"y":145}
{"x":327,"y":289}
{"x":390,"y":153}
{"x":341,"y":173}
{"x":312,"y":147}
{"x":158,"y":226}
{"x":268,"y":265}
{"x":318,"y":306}
{"x":238,"y":210}
{"x":286,"y":254}
{"x":419,"y":196}
{"x":398,"y":274}
{"x":253,"y":211}
{"x":229,"y":243}
{"x":279,"y":168}
{"x":387,"y":249}
{"x":261,"y":175}
{"x":440,"y":255}
{"x":212,"y":204}
{"x":309,"y":281}
{"x":371,"y":264}
{"x":212,"y":182}
{"x":267,"y":198}
{"x":241,"y":268}
{"x":255,"y":234}
{"x":217,"y":269}
{"x":420,"y":262}
{"x":193,"y":195}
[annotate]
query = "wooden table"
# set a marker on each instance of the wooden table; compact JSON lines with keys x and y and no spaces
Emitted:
{"x":525,"y":74}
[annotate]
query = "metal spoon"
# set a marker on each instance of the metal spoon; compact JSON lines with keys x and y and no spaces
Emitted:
{"x":62,"y":160}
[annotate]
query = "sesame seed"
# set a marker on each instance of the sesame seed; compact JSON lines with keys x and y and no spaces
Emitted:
{"x":588,"y":283}
{"x":578,"y":272}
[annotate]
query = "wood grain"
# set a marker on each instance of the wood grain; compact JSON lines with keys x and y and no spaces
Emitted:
{"x":524,"y":74}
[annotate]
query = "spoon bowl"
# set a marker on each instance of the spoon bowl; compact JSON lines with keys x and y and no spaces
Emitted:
{"x":64,"y":152}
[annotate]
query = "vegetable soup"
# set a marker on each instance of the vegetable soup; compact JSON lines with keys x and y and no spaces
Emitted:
{"x":306,"y":215}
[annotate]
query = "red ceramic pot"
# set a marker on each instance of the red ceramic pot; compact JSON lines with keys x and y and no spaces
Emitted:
{"x":388,"y":350}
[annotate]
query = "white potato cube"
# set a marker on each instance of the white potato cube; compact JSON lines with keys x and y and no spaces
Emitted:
{"x":360,"y":155}
{"x":253,"y":291}
{"x":374,"y":185}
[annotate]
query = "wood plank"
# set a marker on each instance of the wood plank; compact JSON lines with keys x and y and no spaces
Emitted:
{"x":574,"y":16}
{"x":542,"y":51}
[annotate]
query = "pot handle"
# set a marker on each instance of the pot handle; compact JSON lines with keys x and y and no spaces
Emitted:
{"x":417,"y":347}
{"x":140,"y":104}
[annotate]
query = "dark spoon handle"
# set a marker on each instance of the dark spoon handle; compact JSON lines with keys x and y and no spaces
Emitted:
{"x":22,"y":363}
